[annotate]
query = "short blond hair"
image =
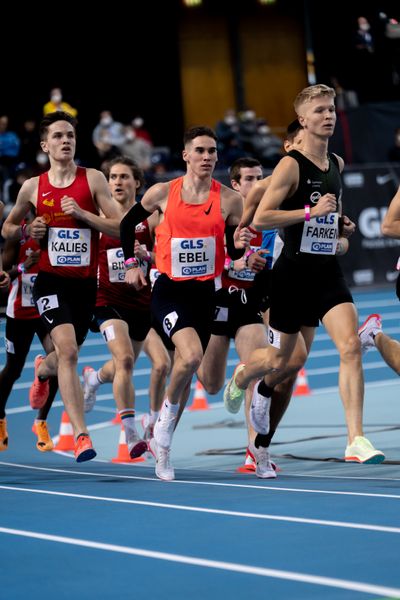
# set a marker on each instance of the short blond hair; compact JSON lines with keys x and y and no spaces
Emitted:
{"x":311,"y":92}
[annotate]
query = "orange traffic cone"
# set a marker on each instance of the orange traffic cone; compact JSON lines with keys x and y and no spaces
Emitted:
{"x":117,"y":419}
{"x":199,"y":398}
{"x":302,"y":388}
{"x":123,"y":452}
{"x":66,"y":439}
{"x":249,"y":464}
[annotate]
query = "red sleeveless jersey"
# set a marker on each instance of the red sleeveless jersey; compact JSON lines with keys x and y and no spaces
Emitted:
{"x":20,"y":303}
{"x":112,"y":290}
{"x":190,"y":240}
{"x":70,"y":248}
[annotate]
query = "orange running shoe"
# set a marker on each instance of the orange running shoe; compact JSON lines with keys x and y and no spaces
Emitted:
{"x":44,"y":443}
{"x":39,"y":391}
{"x":3,"y":435}
{"x":84,"y":448}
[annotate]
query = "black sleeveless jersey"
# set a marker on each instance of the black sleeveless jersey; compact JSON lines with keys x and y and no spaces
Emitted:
{"x":313,"y":183}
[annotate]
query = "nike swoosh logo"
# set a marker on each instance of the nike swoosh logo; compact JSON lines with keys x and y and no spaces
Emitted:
{"x":207,"y":212}
{"x":48,"y":320}
{"x":45,"y":194}
{"x":382,"y":179}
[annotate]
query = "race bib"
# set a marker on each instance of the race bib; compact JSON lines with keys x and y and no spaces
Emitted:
{"x":192,"y":257}
{"x":69,"y":247}
{"x":27,"y":281}
{"x":320,"y":235}
{"x":116,"y":265}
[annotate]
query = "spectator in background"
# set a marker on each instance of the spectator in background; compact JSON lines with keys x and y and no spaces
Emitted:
{"x":364,"y":41}
{"x":137,"y":149}
{"x":345,"y":99}
{"x":267,"y":146}
{"x":364,"y":61}
{"x":9,"y":150}
{"x":137,"y":125}
{"x":56,"y":103}
{"x":247,"y":130}
{"x":108,"y":136}
{"x":227,"y":131}
{"x":29,"y":143}
{"x":394,"y":152}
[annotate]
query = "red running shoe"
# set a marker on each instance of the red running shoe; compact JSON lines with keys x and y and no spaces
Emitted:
{"x":84,"y":448}
{"x":39,"y":391}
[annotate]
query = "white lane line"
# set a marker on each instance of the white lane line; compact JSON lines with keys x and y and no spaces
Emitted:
{"x":345,"y":584}
{"x":271,"y":488}
{"x":212,"y":511}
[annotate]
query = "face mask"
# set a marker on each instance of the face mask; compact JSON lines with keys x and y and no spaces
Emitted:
{"x":249,"y":115}
{"x":130,"y":135}
{"x":138,"y":122}
{"x":106,"y":121}
{"x":230,"y":120}
{"x":56,"y":98}
{"x":264,"y":130}
{"x":41,"y":159}
{"x":365,"y":27}
{"x":398,"y":139}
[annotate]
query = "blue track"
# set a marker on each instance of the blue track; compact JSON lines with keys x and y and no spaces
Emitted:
{"x":102,"y":530}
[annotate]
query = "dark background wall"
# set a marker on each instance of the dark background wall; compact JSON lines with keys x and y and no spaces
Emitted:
{"x":206,"y":60}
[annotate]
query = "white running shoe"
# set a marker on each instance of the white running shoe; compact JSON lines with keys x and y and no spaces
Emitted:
{"x":89,"y":391}
{"x":136,"y":446}
{"x":264,"y":466}
{"x":164,"y":427}
{"x":148,"y":428}
{"x":259,"y":411}
{"x":164,"y":469}
{"x":368,"y":330}
{"x":362,"y":451}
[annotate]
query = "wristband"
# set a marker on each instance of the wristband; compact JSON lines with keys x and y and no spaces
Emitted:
{"x":307,"y":212}
{"x":148,"y":257}
{"x":131,"y":263}
{"x":21,"y":268}
{"x":228,"y":264}
{"x":249,"y":252}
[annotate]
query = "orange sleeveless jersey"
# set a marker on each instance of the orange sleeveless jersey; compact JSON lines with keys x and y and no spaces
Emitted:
{"x":190,"y":240}
{"x":71,"y":247}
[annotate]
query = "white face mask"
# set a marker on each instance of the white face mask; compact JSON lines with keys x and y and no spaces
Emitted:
{"x":138,"y":122}
{"x":365,"y":27}
{"x":130,"y":135}
{"x":398,"y":139}
{"x":231,"y":120}
{"x":106,"y":121}
{"x":264,"y":130}
{"x":41,"y":159}
{"x":56,"y":98}
{"x":249,"y":115}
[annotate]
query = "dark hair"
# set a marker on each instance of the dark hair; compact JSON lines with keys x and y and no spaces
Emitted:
{"x":293,"y":127}
{"x":242,"y":163}
{"x":196,"y":131}
{"x":51,"y":118}
{"x":292,"y":130}
{"x":124,"y":160}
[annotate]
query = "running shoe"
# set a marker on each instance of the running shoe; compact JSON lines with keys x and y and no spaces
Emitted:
{"x":3,"y":435}
{"x":84,"y":448}
{"x":89,"y":391}
{"x":164,"y":427}
{"x":234,"y":396}
{"x":362,"y":451}
{"x":368,"y":330}
{"x":259,"y":411}
{"x":44,"y":443}
{"x":164,"y":469}
{"x":264,"y":466}
{"x":148,"y":428}
{"x":136,"y":446}
{"x":39,"y":391}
